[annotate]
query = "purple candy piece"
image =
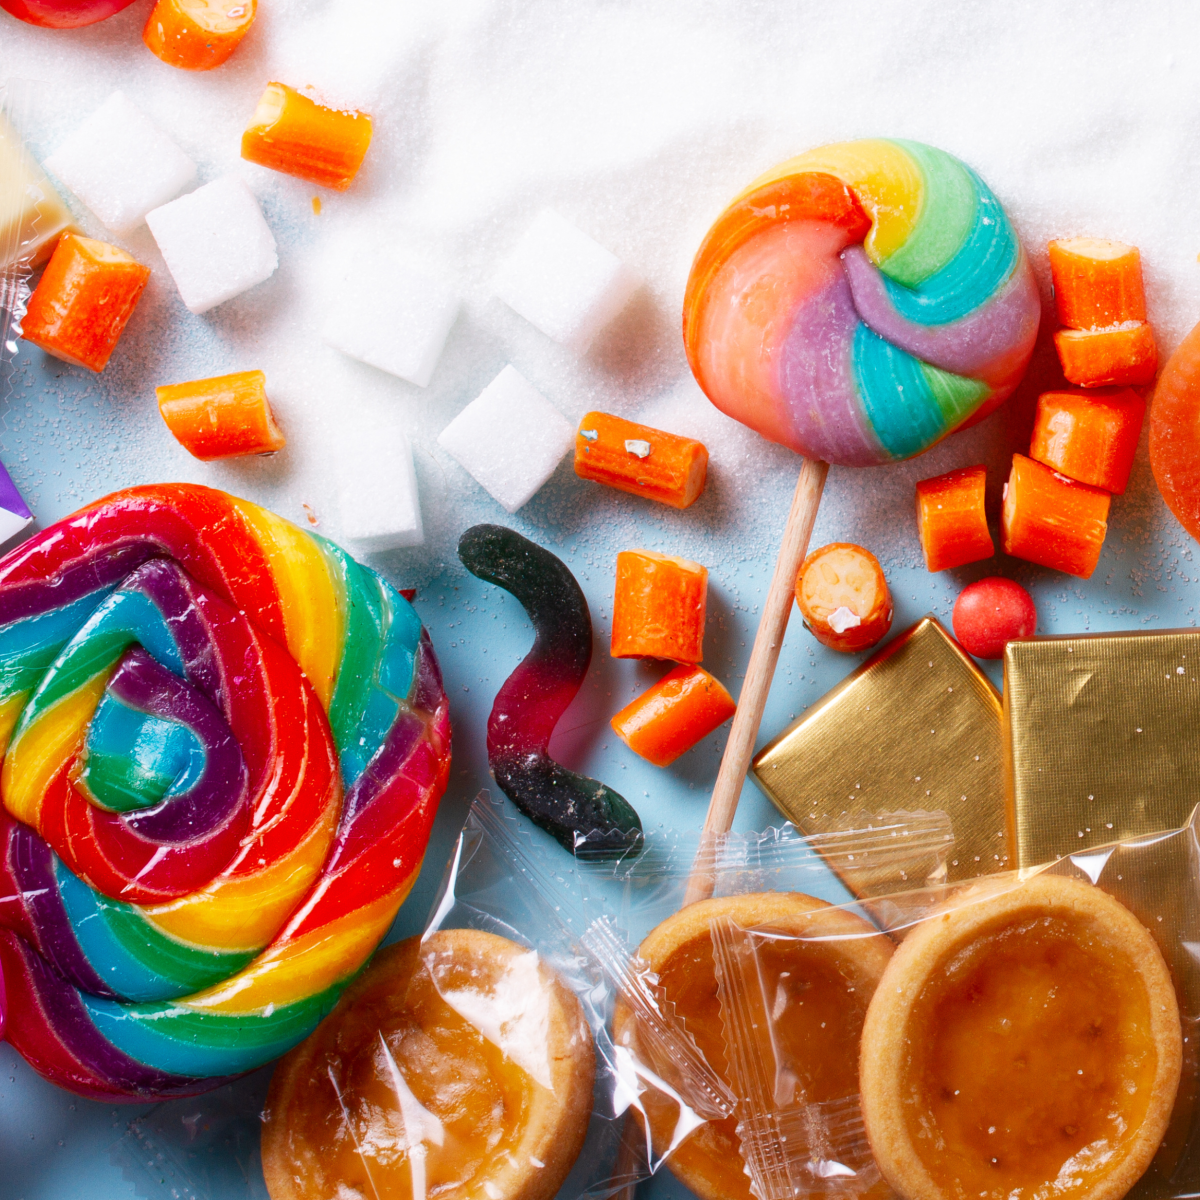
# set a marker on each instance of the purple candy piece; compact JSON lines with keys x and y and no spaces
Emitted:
{"x":10,"y":498}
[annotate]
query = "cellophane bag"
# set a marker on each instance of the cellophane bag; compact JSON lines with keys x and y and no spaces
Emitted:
{"x":505,"y":878}
{"x":32,"y":215}
{"x":1015,"y":1035}
{"x":666,"y":1026}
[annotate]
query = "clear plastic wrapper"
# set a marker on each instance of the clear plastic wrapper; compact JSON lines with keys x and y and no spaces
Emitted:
{"x":1015,"y":1035}
{"x":503,"y":957}
{"x":655,"y":954}
{"x":32,"y":216}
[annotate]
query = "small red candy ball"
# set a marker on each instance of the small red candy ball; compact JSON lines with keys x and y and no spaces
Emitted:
{"x":991,"y":612}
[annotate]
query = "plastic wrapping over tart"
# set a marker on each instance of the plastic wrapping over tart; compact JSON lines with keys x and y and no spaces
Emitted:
{"x":657,"y":958}
{"x":1027,"y":1034}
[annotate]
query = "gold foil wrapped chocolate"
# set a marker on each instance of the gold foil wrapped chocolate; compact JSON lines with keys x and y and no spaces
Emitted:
{"x":916,"y":727}
{"x":1101,"y":738}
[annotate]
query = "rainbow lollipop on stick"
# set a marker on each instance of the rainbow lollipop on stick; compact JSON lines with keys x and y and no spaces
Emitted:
{"x":857,"y":304}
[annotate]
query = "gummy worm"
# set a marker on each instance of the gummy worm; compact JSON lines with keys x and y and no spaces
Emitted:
{"x":576,"y":810}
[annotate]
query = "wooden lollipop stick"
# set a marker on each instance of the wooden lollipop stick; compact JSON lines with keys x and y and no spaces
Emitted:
{"x":763,"y":657}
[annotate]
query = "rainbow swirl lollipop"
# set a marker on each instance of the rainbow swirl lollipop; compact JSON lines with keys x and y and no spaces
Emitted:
{"x":224,"y":743}
{"x":860,"y":302}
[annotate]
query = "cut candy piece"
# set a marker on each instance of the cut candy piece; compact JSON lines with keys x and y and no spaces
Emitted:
{"x":121,"y":165}
{"x":951,"y":520}
{"x":377,"y":487}
{"x":215,"y":241}
{"x":227,"y":416}
{"x":510,"y":439}
{"x":659,"y":607}
{"x":292,"y":133}
{"x":85,"y":297}
{"x":681,"y":709}
{"x":1097,"y":283}
{"x":14,"y":516}
{"x":843,"y":596}
{"x":1123,"y":355}
{"x":197,"y":35}
{"x":640,"y":460}
{"x":563,"y":282}
{"x":391,"y":317}
{"x":1052,"y":520}
{"x":32,"y":216}
{"x":1090,"y":438}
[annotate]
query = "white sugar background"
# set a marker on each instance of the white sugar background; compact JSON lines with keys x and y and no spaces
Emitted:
{"x":636,"y":121}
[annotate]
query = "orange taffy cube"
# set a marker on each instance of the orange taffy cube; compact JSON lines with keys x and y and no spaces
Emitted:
{"x":640,"y":460}
{"x":1123,"y":355}
{"x":1052,"y":520}
{"x":83,"y":301}
{"x":227,"y":416}
{"x":951,"y":521}
{"x":659,"y":607}
{"x":1090,"y":437}
{"x":1097,"y":283}
{"x":296,"y":135}
{"x":683,"y":707}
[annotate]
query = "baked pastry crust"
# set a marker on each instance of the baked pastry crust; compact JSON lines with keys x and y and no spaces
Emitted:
{"x":1024,"y":1042}
{"x":680,"y":952}
{"x":340,"y":1111}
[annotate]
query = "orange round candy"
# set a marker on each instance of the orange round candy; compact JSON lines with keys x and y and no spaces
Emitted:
{"x":1175,"y":433}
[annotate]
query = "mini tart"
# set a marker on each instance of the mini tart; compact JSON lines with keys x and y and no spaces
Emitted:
{"x":839,"y":976}
{"x":1024,"y":1043}
{"x":396,"y":1065}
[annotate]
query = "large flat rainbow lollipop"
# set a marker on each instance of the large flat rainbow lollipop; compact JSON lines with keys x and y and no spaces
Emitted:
{"x":224,"y":743}
{"x":857,"y":304}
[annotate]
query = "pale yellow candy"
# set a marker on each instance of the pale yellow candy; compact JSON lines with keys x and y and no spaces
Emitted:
{"x":32,"y":215}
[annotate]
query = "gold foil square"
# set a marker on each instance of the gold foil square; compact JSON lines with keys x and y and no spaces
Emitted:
{"x":1101,"y":738}
{"x":917,"y":726}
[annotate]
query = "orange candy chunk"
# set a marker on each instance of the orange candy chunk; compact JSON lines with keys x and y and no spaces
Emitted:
{"x":683,"y":707}
{"x":659,"y":607}
{"x":1051,"y":520}
{"x":640,"y":460}
{"x":197,"y":35}
{"x":1097,"y":283}
{"x":1099,"y":357}
{"x":224,"y":417}
{"x":951,"y":519}
{"x":1175,"y":433}
{"x":83,"y":301}
{"x":844,"y":597}
{"x":296,"y":135}
{"x":1089,"y":438}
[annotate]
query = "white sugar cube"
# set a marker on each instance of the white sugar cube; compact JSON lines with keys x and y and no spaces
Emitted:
{"x":391,"y":316}
{"x":121,"y":165}
{"x":377,"y":486}
{"x":215,"y":241}
{"x":510,"y":438}
{"x":563,"y":282}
